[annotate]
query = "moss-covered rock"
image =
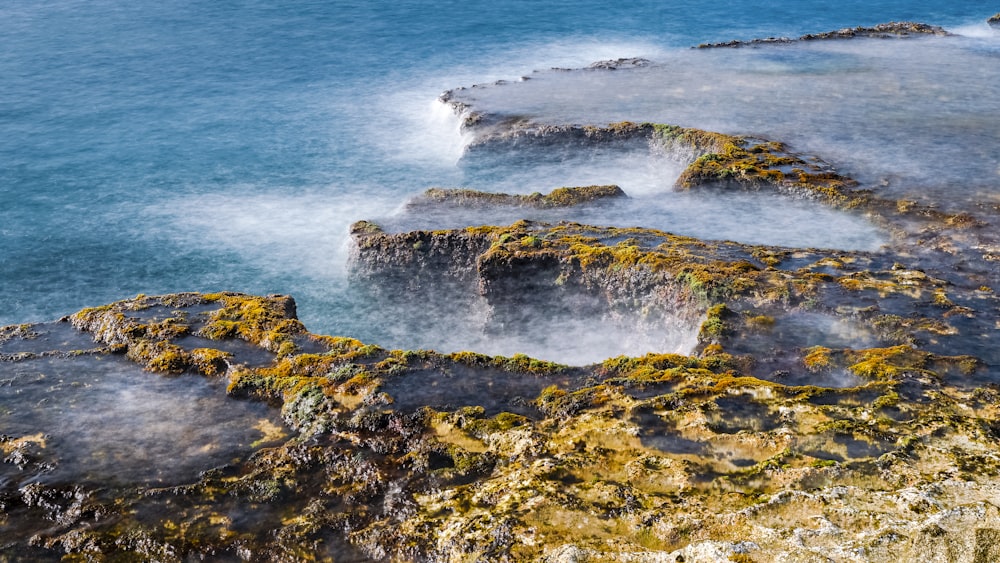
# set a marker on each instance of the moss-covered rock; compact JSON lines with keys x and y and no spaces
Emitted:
{"x":560,"y":197}
{"x":661,"y":455}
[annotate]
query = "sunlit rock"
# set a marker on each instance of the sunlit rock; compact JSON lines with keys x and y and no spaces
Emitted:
{"x":691,"y":398}
{"x":421,"y":455}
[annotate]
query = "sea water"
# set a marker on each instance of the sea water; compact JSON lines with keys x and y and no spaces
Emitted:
{"x":152,"y":147}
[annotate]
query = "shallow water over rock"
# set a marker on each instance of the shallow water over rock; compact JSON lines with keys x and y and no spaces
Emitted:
{"x":915,"y":117}
{"x":652,"y":203}
{"x":69,"y":415}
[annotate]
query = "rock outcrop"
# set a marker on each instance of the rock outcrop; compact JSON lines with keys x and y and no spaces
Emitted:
{"x":880,"y":31}
{"x":415,"y":455}
{"x":615,"y":64}
{"x":438,"y":198}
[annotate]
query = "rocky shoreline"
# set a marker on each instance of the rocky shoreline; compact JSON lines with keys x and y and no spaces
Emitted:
{"x":425,"y":456}
{"x":832,"y":406}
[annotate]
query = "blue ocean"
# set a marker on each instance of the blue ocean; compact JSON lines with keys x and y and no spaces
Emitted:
{"x":154,"y":147}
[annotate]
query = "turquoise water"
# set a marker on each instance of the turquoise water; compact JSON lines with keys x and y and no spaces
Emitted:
{"x":152,"y":147}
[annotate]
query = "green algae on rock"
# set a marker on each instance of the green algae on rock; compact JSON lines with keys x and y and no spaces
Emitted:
{"x":418,"y":456}
{"x":657,"y":278}
{"x":718,"y":159}
{"x":560,"y":197}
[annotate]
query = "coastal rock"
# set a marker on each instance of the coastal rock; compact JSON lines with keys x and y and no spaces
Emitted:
{"x":615,"y":64}
{"x":764,"y":442}
{"x":415,"y":455}
{"x":746,"y":299}
{"x":560,"y":197}
{"x":994,"y":20}
{"x":718,"y":160}
{"x":880,"y":31}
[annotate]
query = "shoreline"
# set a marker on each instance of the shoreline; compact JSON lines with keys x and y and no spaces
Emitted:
{"x":833,"y":403}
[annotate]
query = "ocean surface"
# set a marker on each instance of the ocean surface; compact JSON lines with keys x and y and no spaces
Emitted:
{"x":154,"y":147}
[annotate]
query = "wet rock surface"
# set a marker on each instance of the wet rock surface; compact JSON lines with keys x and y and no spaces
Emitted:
{"x":830,"y":405}
{"x":615,"y":64}
{"x":561,"y":197}
{"x":880,"y":31}
{"x":417,"y":455}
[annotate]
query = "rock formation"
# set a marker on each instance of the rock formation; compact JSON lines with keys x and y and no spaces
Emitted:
{"x":775,"y":437}
{"x":424,"y":456}
{"x":880,"y":31}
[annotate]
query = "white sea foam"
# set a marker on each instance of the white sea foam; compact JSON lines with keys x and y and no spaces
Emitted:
{"x":414,"y":127}
{"x":581,"y":51}
{"x":581,"y":341}
{"x":304,"y":233}
{"x":979,"y":30}
{"x":899,"y":114}
{"x":408,"y":124}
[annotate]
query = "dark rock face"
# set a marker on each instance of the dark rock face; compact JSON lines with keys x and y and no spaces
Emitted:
{"x":519,"y":287}
{"x":417,"y":260}
{"x":421,"y":274}
{"x":994,"y":20}
{"x":516,"y":135}
{"x":519,"y":274}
